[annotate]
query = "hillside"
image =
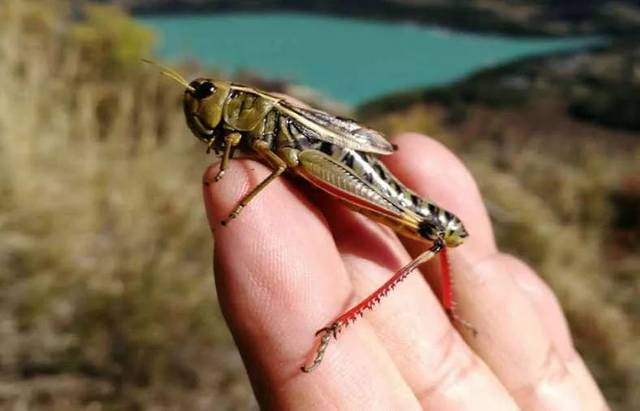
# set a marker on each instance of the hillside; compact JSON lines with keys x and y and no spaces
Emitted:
{"x":526,"y":17}
{"x":599,"y":86}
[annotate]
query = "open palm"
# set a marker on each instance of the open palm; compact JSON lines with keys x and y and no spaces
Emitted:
{"x":288,"y":266}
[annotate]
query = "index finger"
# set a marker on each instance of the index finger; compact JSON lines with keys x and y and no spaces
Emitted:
{"x":279,"y":277}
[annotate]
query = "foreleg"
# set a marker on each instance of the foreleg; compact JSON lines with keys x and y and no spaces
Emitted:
{"x":230,"y":140}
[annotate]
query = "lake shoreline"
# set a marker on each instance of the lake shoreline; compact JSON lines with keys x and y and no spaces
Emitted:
{"x":596,"y":85}
{"x":507,"y":30}
{"x":545,"y":20}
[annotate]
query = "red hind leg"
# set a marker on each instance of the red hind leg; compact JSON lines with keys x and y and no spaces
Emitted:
{"x":446,"y":283}
{"x":366,"y":304}
{"x":447,"y":293}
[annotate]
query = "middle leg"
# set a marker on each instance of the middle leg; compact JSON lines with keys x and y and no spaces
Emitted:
{"x":264,"y":151}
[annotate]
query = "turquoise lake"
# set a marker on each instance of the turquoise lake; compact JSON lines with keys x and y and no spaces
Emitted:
{"x":349,"y":60}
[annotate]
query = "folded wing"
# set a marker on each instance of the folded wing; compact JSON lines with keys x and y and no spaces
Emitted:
{"x":336,"y":130}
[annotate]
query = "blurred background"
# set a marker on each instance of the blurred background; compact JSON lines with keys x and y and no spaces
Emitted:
{"x":106,"y":294}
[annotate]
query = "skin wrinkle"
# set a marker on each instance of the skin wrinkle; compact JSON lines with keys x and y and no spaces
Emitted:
{"x":551,"y":369}
{"x":455,"y":375}
{"x":543,"y":391}
{"x":444,"y":347}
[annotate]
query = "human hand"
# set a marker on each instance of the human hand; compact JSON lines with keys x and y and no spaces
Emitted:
{"x":288,"y":266}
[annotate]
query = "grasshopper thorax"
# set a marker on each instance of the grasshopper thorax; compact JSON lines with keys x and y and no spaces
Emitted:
{"x":203,"y":107}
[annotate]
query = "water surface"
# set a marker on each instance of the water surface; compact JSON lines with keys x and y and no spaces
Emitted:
{"x":347,"y":59}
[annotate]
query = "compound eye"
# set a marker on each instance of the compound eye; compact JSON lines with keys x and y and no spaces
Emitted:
{"x":204,"y":90}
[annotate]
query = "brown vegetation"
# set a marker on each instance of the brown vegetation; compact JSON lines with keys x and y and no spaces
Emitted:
{"x":105,"y":259}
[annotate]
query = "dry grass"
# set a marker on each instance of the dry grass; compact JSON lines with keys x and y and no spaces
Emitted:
{"x":106,"y":293}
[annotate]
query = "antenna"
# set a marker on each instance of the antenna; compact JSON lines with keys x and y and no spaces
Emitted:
{"x":172,"y":74}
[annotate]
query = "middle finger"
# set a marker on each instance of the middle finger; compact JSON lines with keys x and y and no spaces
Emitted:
{"x":433,"y":359}
{"x":511,"y":340}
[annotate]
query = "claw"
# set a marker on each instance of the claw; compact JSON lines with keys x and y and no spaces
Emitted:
{"x":322,"y":330}
{"x":231,"y":216}
{"x":328,"y":332}
{"x":457,"y":320}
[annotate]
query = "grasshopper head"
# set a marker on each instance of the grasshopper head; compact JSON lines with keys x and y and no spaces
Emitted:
{"x":203,"y":104}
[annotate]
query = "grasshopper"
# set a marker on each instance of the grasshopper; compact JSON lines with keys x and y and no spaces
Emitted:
{"x":335,"y":154}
